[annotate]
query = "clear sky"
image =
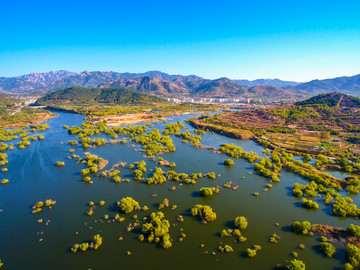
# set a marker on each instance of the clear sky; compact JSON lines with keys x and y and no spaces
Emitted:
{"x":244,"y":39}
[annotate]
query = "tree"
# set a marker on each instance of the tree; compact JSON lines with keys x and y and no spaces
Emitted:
{"x":138,"y":175}
{"x":241,"y":222}
{"x":353,"y":230}
{"x":208,"y":191}
{"x":296,"y":265}
{"x":352,"y":254}
{"x":228,"y":162}
{"x":301,"y":227}
{"x":205,"y":212}
{"x":128,"y":205}
{"x":251,"y":252}
{"x":309,"y":204}
{"x":157,"y":230}
{"x":327,"y":249}
{"x":307,"y":158}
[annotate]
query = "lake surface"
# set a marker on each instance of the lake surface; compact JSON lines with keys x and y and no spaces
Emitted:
{"x":33,"y":177}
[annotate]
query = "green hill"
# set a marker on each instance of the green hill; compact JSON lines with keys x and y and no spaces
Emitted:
{"x":94,"y":96}
{"x":332,"y":99}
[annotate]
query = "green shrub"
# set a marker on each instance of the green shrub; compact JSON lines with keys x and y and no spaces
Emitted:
{"x":296,"y":265}
{"x":354,"y":230}
{"x":327,"y":249}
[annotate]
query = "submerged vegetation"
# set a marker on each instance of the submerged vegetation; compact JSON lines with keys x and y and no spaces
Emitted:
{"x":301,"y":227}
{"x":205,"y":213}
{"x":39,"y":206}
{"x":327,"y":249}
{"x":241,"y":222}
{"x":157,"y":230}
{"x":128,"y":205}
{"x":296,"y":265}
{"x":208,"y":192}
{"x":95,"y":244}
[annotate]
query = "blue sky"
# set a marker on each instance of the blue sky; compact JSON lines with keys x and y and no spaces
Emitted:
{"x":290,"y":40}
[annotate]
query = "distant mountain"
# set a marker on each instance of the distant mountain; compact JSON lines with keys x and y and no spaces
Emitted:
{"x":92,"y":96}
{"x":166,"y":85}
{"x":349,"y":85}
{"x":147,"y":84}
{"x":151,"y":82}
{"x":178,"y":87}
{"x":30,"y":82}
{"x":83,"y":79}
{"x":222,"y":87}
{"x":332,"y":99}
{"x":163,"y":76}
{"x":271,"y":91}
{"x":264,"y":82}
{"x":42,"y":83}
{"x":95,"y":78}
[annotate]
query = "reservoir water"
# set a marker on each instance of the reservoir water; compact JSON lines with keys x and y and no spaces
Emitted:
{"x":33,"y":177}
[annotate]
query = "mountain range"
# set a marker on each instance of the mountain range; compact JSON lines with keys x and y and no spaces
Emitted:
{"x":166,"y":85}
{"x":195,"y":88}
{"x":350,"y":85}
{"x":272,"y":82}
{"x":91,"y":96}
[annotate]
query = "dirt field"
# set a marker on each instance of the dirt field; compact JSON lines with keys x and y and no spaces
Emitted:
{"x":116,"y":121}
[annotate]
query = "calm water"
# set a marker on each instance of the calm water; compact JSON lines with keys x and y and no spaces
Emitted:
{"x":33,"y":177}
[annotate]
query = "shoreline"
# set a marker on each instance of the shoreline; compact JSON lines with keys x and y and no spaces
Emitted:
{"x":32,"y":122}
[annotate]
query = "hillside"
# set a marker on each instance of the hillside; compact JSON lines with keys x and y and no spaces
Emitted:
{"x":150,"y":85}
{"x":348,"y":85}
{"x":93,"y":96}
{"x":217,"y":88}
{"x":201,"y":87}
{"x":332,"y":99}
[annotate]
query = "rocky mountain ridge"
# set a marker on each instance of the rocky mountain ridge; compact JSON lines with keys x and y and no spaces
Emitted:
{"x":166,"y":85}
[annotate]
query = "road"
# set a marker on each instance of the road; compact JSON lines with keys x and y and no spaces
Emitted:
{"x":17,"y":110}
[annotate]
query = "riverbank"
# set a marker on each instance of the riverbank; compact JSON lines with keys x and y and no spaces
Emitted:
{"x":31,"y":119}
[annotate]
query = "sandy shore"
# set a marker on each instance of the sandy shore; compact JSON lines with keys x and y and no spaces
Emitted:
{"x":121,"y":120}
{"x":115,"y":121}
